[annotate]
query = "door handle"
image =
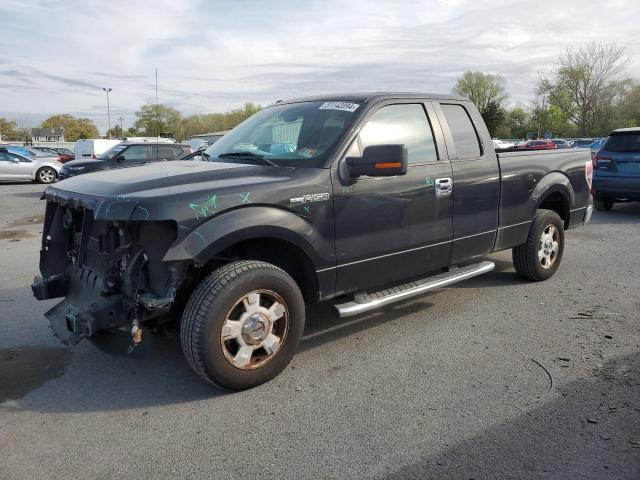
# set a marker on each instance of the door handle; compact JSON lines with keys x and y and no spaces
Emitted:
{"x":444,"y":186}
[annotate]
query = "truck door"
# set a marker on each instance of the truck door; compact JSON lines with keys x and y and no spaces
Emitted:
{"x":389,"y":228}
{"x":476,"y":180}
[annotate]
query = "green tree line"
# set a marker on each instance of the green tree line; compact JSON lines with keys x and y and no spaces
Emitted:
{"x":585,"y":94}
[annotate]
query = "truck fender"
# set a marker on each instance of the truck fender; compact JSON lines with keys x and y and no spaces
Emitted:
{"x":203,"y":242}
{"x":551,"y":183}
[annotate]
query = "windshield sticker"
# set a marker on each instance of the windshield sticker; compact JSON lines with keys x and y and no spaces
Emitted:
{"x":342,"y":106}
{"x":307,"y":152}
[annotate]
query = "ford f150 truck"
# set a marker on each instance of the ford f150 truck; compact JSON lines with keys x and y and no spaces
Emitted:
{"x":363,"y":199}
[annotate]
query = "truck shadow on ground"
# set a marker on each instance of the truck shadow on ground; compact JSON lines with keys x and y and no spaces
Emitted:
{"x":101,"y":376}
{"x":589,"y":430}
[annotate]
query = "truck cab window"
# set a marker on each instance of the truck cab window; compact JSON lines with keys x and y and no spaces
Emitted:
{"x":402,"y":124}
{"x":465,"y":138}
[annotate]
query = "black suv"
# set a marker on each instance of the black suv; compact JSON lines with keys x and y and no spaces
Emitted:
{"x":126,"y":154}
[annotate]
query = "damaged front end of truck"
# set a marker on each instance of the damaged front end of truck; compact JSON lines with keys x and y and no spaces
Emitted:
{"x":105,"y":258}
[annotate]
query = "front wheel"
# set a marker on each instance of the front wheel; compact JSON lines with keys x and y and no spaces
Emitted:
{"x":46,"y":175}
{"x":539,"y":257}
{"x":242,"y":324}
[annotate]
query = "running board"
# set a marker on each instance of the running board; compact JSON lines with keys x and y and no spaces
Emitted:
{"x":364,"y":301}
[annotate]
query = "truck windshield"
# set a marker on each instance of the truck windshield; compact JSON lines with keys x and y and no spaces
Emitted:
{"x":298,"y":134}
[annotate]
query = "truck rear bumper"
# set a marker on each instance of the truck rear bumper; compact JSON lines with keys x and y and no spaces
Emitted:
{"x":588,"y":213}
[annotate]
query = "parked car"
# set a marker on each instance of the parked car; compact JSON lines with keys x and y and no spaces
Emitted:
{"x":502,"y":143}
{"x":581,"y":142}
{"x":537,"y":145}
{"x":86,"y":148}
{"x":27,"y":151}
{"x":616,"y":169}
{"x":64,"y":154}
{"x":126,"y":154}
{"x":16,"y":167}
{"x":346,"y":197}
{"x":596,"y":145}
{"x":561,"y":143}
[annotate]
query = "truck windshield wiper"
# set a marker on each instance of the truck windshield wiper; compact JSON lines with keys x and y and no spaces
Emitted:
{"x":253,"y":156}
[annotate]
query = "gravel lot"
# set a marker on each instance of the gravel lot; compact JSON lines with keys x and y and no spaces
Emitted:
{"x":492,"y":378}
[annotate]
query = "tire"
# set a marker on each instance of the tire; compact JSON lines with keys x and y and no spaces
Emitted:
{"x":225,"y":302}
{"x":46,"y":175}
{"x":603,"y":204}
{"x":534,"y":259}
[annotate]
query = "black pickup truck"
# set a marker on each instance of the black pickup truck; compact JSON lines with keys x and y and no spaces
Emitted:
{"x":363,"y":199}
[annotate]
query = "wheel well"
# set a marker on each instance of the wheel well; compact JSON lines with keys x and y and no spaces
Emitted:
{"x":278,"y":252}
{"x":557,"y":202}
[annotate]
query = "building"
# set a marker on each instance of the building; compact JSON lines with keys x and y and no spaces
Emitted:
{"x":47,"y":134}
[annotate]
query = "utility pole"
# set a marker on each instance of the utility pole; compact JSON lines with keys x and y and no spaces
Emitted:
{"x":107,"y":90}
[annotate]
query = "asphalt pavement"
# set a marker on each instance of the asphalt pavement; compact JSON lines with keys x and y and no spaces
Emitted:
{"x":495,"y":377}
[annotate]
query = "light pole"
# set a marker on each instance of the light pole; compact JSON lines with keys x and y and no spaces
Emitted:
{"x":107,"y":90}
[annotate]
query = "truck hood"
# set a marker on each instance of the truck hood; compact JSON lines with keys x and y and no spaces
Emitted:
{"x":157,"y":189}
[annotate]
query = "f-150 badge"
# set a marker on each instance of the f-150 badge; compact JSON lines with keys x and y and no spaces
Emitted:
{"x":312,"y":197}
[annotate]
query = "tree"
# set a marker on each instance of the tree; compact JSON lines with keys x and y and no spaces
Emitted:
{"x":115,"y":132}
{"x":74,"y":128}
{"x":8,"y":129}
{"x":487,"y":92}
{"x":482,"y":89}
{"x":214,"y":122}
{"x":583,"y":84}
{"x":493,"y":116}
{"x":156,"y":120}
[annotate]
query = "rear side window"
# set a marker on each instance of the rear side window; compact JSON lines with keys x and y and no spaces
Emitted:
{"x":465,"y":138}
{"x":136,"y":152}
{"x":623,"y":142}
{"x":402,"y":124}
{"x":166,"y":152}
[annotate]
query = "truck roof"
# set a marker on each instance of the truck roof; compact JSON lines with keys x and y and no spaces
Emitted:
{"x":371,"y":96}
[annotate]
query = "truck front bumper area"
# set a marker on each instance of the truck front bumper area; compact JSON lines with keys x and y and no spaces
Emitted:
{"x":85,"y":310}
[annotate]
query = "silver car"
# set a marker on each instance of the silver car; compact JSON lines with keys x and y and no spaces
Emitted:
{"x":16,"y":167}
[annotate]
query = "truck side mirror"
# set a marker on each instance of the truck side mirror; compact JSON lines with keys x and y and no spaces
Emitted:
{"x":379,"y":161}
{"x":119,"y":158}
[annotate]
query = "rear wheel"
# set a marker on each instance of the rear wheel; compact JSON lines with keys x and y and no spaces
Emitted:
{"x":603,"y":204}
{"x":539,"y":257}
{"x":46,"y":175}
{"x":242,"y":324}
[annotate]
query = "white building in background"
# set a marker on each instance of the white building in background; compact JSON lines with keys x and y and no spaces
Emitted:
{"x":47,"y":134}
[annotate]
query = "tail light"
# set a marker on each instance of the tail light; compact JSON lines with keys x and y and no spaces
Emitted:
{"x":588,"y":173}
{"x":599,"y":158}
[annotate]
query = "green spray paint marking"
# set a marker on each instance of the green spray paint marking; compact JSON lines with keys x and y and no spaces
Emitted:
{"x":429,"y":182}
{"x":245,"y":197}
{"x":203,"y":210}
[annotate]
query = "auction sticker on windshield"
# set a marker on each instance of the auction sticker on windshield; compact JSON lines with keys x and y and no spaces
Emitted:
{"x":344,"y":106}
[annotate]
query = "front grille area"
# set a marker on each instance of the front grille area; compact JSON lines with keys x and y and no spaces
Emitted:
{"x":94,"y":244}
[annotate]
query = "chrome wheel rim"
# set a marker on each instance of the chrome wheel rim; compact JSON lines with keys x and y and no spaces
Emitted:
{"x":47,"y":175}
{"x":254,"y":329}
{"x":549,"y":247}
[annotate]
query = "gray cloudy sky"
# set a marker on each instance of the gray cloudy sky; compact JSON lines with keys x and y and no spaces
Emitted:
{"x":55,"y":56}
